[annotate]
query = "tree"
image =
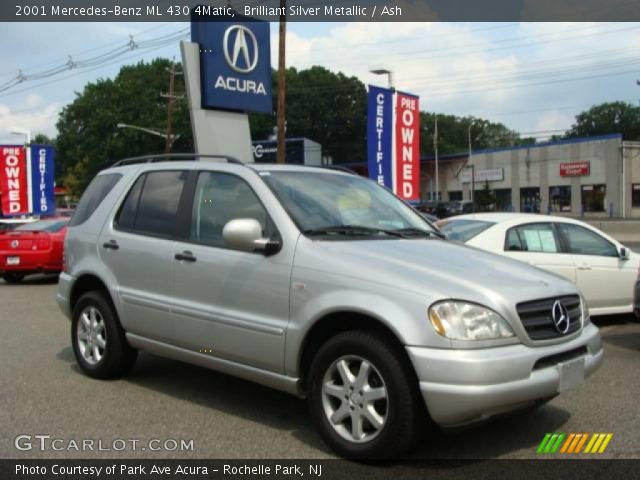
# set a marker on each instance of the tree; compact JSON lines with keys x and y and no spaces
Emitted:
{"x":486,"y":198}
{"x":89,"y":139}
{"x":329,"y":108}
{"x":453,"y":134}
{"x":612,"y":117}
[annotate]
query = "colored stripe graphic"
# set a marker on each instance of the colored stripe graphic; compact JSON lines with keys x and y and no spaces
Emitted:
{"x":573,"y":443}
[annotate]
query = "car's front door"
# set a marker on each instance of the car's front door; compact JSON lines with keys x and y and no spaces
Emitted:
{"x":606,"y":280}
{"x":537,"y":244}
{"x":228,"y":303}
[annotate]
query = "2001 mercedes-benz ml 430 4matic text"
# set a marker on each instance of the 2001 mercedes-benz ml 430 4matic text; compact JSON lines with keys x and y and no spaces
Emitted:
{"x":319,"y":283}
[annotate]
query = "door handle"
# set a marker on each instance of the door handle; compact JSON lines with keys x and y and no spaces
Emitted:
{"x":185,"y":256}
{"x":111,"y":245}
{"x":584,"y":266}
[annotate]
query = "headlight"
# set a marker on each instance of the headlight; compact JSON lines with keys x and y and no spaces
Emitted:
{"x":467,"y":321}
{"x":584,"y":309}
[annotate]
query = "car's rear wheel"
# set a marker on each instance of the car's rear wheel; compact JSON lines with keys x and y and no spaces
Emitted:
{"x":99,"y":343}
{"x":13,"y":277}
{"x":362,"y":397}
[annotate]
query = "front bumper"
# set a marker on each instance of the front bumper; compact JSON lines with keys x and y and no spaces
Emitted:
{"x":466,"y":386}
{"x":63,"y":296}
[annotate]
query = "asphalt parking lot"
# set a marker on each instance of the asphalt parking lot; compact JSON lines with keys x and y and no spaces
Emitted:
{"x":42,"y":391}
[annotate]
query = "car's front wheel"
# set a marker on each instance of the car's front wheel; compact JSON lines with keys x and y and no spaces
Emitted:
{"x":99,"y":343}
{"x":362,"y":397}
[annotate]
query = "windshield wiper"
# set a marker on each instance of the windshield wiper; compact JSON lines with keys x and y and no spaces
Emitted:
{"x":419,"y":232}
{"x":351,"y":230}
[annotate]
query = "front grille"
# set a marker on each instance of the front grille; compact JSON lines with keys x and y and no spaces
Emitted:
{"x":537,"y":319}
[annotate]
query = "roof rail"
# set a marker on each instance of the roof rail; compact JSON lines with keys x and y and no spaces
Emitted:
{"x":169,"y":157}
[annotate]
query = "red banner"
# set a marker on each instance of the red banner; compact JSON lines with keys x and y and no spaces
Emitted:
{"x":13,"y":180}
{"x":574,"y":169}
{"x":407,"y":137}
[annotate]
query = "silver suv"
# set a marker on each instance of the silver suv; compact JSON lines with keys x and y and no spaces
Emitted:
{"x":318,"y":283}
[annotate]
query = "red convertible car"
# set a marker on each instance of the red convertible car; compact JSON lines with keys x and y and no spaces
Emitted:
{"x":32,"y":248}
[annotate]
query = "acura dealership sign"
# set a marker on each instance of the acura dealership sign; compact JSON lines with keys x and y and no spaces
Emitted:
{"x":393,"y":141}
{"x":235,"y":64}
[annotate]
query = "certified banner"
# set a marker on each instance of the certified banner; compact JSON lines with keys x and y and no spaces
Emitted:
{"x":42,"y":180}
{"x":13,"y":180}
{"x":393,"y":141}
{"x":379,"y":135}
{"x":407,"y":143}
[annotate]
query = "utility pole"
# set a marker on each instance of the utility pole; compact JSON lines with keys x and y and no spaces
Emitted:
{"x":170,"y":98}
{"x":282,"y":82}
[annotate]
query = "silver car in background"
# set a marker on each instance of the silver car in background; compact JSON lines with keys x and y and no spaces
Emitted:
{"x":321,"y":284}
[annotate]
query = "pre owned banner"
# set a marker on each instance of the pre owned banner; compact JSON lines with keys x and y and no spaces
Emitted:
{"x":393,"y":141}
{"x":13,"y":180}
{"x":25,"y":192}
{"x":407,"y":161}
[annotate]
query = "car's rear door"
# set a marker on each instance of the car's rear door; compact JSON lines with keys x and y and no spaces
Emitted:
{"x":137,"y":247}
{"x":228,"y":303}
{"x":537,"y":244}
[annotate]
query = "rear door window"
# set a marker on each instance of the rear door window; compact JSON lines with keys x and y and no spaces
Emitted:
{"x":151,"y":206}
{"x":534,"y":237}
{"x":93,"y":196}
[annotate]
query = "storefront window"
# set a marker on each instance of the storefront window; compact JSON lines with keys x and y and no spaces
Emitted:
{"x":560,"y":199}
{"x":635,"y":195}
{"x":530,"y":200}
{"x":454,"y":196}
{"x":593,"y":198}
{"x":503,"y":200}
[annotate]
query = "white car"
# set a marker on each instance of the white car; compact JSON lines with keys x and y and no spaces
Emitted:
{"x":605,"y":271}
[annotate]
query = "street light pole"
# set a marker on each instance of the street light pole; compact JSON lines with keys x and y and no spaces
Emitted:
{"x":383,"y":71}
{"x":435,"y":147}
{"x":473,"y":179}
{"x":170,"y":138}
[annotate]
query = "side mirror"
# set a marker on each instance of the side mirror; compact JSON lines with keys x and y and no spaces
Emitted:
{"x":245,"y":234}
{"x":623,"y":253}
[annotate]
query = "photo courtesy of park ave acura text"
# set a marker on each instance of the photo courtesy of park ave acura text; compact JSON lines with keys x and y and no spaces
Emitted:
{"x":362,"y":239}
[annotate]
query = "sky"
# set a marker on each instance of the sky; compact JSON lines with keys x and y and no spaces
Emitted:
{"x":533,"y":77}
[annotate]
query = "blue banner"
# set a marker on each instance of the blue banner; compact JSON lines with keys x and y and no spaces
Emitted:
{"x":235,"y":63}
{"x":42,"y":180}
{"x":379,"y":135}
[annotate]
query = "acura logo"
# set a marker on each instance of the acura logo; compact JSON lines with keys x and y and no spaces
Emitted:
{"x":236,"y":47}
{"x":15,"y":243}
{"x":560,"y":317}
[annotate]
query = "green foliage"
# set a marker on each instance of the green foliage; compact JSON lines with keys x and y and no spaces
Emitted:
{"x":329,"y":108}
{"x":89,"y":139}
{"x":485,"y":198}
{"x":453,"y":134}
{"x":612,"y":117}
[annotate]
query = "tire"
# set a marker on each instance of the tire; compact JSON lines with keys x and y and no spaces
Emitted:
{"x":398,"y":415}
{"x":98,"y":340}
{"x":13,"y":278}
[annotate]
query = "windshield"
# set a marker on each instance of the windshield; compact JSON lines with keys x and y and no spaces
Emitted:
{"x":52,"y":225}
{"x":345,"y":203}
{"x":463,"y":230}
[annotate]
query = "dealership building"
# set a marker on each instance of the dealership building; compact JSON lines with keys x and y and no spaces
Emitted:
{"x":592,"y":176}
